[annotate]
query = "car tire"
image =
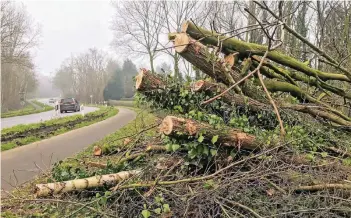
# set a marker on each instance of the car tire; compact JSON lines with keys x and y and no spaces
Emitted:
{"x":61,"y":112}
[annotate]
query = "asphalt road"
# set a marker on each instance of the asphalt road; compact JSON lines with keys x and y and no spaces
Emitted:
{"x":36,"y":118}
{"x":21,"y":164}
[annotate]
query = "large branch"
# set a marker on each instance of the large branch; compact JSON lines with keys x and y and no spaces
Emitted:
{"x":42,"y":190}
{"x":229,"y":97}
{"x":198,"y":55}
{"x":232,"y":45}
{"x":179,"y":127}
{"x":288,"y":75}
{"x":256,"y":106}
{"x":304,"y":40}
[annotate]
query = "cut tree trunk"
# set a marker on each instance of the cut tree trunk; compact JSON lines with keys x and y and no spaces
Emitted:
{"x":199,"y":55}
{"x":179,"y":127}
{"x":42,"y":190}
{"x":229,"y":97}
{"x":147,"y":81}
{"x":232,"y":45}
{"x":218,"y":69}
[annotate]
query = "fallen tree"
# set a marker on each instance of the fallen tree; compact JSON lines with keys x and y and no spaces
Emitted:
{"x":217,"y":68}
{"x":200,"y":141}
{"x":232,"y":45}
{"x":319,"y":112}
{"x":42,"y":190}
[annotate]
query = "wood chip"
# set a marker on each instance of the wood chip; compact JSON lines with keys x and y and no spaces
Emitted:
{"x":97,"y":151}
{"x":127,"y":141}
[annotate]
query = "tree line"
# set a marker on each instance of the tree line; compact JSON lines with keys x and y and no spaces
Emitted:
{"x":19,"y":35}
{"x":94,"y":73}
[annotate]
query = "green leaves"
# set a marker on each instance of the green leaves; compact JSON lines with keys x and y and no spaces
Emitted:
{"x":157,"y":210}
{"x":172,"y":147}
{"x":324,"y":154}
{"x":201,"y":138}
{"x":175,"y":147}
{"x":166,"y":208}
{"x":213,"y":152}
{"x":310,"y":157}
{"x":146,"y":213}
{"x":209,"y":184}
{"x":214,"y":139}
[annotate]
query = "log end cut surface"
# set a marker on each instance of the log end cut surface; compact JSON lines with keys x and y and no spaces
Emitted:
{"x":139,"y":79}
{"x":167,"y":125}
{"x":196,"y":86}
{"x":181,"y":42}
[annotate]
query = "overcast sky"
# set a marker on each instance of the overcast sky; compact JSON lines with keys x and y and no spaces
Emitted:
{"x":69,"y":27}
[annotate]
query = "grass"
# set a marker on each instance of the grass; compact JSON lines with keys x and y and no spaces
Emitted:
{"x":71,"y":168}
{"x":24,"y":134}
{"x":28,"y":109}
{"x":45,"y":107}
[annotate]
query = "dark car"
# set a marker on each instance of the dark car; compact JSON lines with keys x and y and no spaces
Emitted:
{"x":69,"y":104}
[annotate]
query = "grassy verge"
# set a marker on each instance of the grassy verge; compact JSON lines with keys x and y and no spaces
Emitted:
{"x":23,"y":204}
{"x":28,"y":109}
{"x":24,"y":134}
{"x":44,"y":107}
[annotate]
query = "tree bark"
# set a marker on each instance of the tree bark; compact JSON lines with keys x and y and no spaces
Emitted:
{"x":232,"y":45}
{"x":147,"y":81}
{"x":229,"y":97}
{"x":42,"y":190}
{"x":199,"y":56}
{"x":179,"y":127}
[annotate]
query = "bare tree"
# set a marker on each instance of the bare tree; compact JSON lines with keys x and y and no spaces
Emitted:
{"x":18,"y":36}
{"x":137,"y":27}
{"x":84,"y":75}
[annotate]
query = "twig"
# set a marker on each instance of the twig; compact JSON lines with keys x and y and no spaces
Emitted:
{"x":303,"y":39}
{"x":195,"y":179}
{"x":282,"y":130}
{"x":223,"y":209}
{"x":68,"y":202}
{"x":244,"y":78}
{"x":274,"y":185}
{"x":44,"y":172}
{"x":242,"y":206}
{"x":323,"y":186}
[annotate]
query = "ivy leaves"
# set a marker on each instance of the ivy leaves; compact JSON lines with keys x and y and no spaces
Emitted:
{"x":214,"y":139}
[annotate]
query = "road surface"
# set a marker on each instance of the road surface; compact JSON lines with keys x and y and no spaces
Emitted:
{"x":21,"y":164}
{"x":38,"y":117}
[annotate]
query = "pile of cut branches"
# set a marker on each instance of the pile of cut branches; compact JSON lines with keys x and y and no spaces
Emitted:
{"x":265,"y":135}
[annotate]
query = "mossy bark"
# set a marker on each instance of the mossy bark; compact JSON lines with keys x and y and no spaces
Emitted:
{"x":231,"y":45}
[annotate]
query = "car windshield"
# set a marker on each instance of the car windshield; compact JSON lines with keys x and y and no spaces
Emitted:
{"x":67,"y":100}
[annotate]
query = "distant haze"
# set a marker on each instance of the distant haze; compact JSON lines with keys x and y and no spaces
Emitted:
{"x":45,"y":88}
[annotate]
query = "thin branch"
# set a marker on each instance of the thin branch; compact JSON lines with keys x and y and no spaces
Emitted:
{"x":237,"y":83}
{"x":242,"y":206}
{"x":282,"y":130}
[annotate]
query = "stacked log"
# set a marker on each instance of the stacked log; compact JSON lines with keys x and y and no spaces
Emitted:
{"x":180,"y":127}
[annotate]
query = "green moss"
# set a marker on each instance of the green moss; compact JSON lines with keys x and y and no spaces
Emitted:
{"x":232,"y":44}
